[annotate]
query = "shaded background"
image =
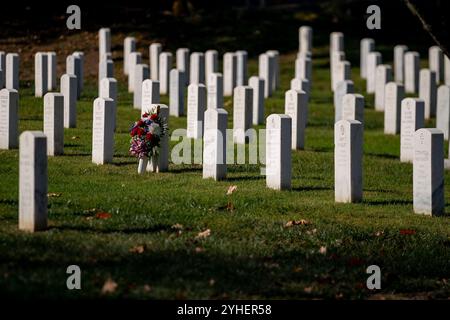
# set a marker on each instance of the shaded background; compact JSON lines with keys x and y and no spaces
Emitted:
{"x":228,"y":25}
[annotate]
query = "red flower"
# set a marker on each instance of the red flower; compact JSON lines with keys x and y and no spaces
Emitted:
{"x":133,"y":132}
{"x":149,"y":136}
{"x":140,"y":123}
{"x":154,"y":116}
{"x":145,"y":115}
{"x":140,"y":131}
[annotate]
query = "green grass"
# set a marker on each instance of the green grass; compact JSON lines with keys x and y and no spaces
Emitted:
{"x":250,"y":253}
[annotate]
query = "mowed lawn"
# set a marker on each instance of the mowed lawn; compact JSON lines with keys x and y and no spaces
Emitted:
{"x":148,"y":243}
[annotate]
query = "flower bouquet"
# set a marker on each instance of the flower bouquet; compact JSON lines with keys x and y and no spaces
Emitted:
{"x":146,"y":135}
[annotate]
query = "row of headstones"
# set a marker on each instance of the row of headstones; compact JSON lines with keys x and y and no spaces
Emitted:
{"x":423,"y":147}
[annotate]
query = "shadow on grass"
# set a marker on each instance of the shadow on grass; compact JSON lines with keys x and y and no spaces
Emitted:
{"x":184,"y":169}
{"x":244,"y":178}
{"x":311,"y":188}
{"x":139,"y":230}
{"x":9,"y":201}
{"x":383,"y":155}
{"x":387,"y":202}
{"x":79,"y":154}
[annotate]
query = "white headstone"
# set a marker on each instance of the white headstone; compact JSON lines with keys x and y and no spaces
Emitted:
{"x":274,"y":55}
{"x":257,"y":84}
{"x":342,"y":89}
{"x":383,"y":75}
{"x":165,"y":65}
{"x":104,"y":41}
{"x":399,"y":62}
{"x":155,"y":56}
{"x":436,"y":62}
{"x":69,"y":91}
{"x":305,"y":35}
{"x":162,"y":163}
{"x":33,"y":181}
{"x":105,"y":70}
{"x":412,"y":119}
{"x":411,"y":72}
{"x":242,"y":113}
{"x":12,"y":71}
{"x":342,"y":72}
{"x":215,"y":91}
{"x":229,"y":73}
{"x":141,"y":73}
{"x":51,"y":71}
{"x":428,"y":172}
{"x":108,"y":89}
{"x":196,"y":106}
{"x":394,"y":93}
{"x":336,"y":58}
{"x":197,"y":68}
{"x":80,"y":68}
{"x":353,"y":107}
{"x":183,"y":62}
{"x":241,"y":68}
{"x":336,"y":42}
{"x":129,"y":46}
{"x":303,"y":68}
{"x":150,"y":94}
{"x":278,"y":151}
{"x":373,"y":60}
{"x":135,"y":58}
{"x":9,"y":118}
{"x":265,"y":69}
{"x":40,"y":74}
{"x":211,"y":64}
{"x":73,"y":66}
{"x":427,"y":91}
{"x":348,"y":152}
{"x":367,"y":45}
{"x":2,"y":69}
{"x":296,"y":107}
{"x":102,"y":131}
{"x":443,"y":110}
{"x":54,"y":123}
{"x":301,"y":85}
{"x":447,"y":70}
{"x":214,"y":144}
{"x":177,"y":88}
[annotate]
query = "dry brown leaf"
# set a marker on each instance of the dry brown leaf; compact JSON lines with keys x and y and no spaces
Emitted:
{"x":199,"y":249}
{"x":54,"y":195}
{"x":177,"y":226}
{"x":203,"y":234}
{"x":138,"y":249}
{"x":75,"y":138}
{"x":308,"y":289}
{"x":231,"y":189}
{"x":103,"y":215}
{"x":301,"y":222}
{"x":323,"y":250}
{"x":147,"y":288}
{"x":212,"y":282}
{"x":109,"y":286}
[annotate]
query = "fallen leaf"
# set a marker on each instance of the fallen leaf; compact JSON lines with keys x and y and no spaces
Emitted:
{"x":407,"y":232}
{"x":203,"y":234}
{"x":323,"y":250}
{"x":109,"y":286}
{"x":199,"y":249}
{"x":138,"y":249}
{"x":54,"y":195}
{"x":147,"y":288}
{"x":103,"y":215}
{"x":298,"y":269}
{"x":212,"y":282}
{"x":301,"y":222}
{"x":177,"y":226}
{"x":379,"y":233}
{"x":307,"y":289}
{"x":231,"y":189}
{"x":75,"y":138}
